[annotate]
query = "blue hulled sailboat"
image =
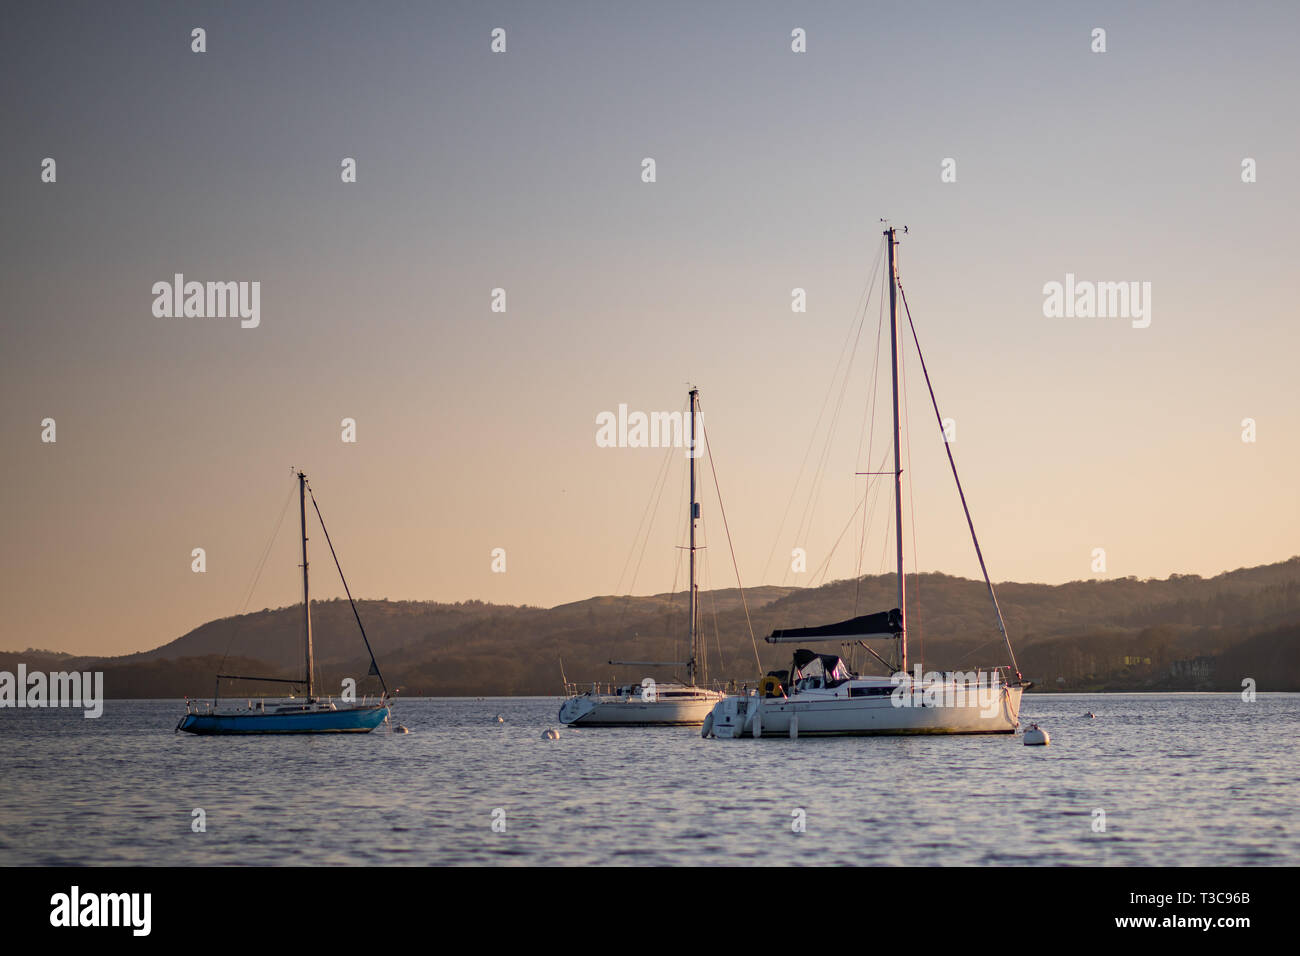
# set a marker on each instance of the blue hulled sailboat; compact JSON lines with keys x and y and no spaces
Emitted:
{"x":301,"y":716}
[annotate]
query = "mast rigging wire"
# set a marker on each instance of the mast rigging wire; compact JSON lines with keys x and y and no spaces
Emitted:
{"x":870,"y":414}
{"x":373,"y":663}
{"x":726,"y":527}
{"x":953,"y":464}
{"x":257,"y":576}
{"x":853,"y":336}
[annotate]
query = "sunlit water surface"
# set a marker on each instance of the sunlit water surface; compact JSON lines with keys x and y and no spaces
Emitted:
{"x":1182,"y":779}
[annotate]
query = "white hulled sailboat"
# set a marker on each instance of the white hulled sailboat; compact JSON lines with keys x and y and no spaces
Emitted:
{"x":820,"y":696}
{"x":652,"y":703}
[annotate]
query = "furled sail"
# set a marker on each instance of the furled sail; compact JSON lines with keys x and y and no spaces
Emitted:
{"x":881,"y":624}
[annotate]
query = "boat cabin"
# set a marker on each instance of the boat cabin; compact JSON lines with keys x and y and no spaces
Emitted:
{"x":812,"y":671}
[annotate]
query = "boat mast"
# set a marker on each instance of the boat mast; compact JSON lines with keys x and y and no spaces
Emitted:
{"x":891,"y":240}
{"x":691,"y":455}
{"x":306,"y":594}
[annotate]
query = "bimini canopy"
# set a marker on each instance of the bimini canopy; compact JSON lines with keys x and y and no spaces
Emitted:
{"x":827,"y":666}
{"x":882,"y":624}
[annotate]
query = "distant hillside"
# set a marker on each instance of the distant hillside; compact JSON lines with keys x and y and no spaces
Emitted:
{"x":1184,"y":633}
{"x":275,"y":636}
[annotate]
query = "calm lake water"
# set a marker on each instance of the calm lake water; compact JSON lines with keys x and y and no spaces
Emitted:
{"x":1183,"y":779}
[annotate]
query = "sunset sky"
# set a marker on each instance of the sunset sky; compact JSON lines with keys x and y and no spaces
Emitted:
{"x":522,"y":170}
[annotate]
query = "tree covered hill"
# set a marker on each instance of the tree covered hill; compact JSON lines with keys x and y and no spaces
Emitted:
{"x":1180,"y":633}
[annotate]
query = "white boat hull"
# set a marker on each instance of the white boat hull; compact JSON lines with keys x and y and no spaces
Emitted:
{"x":588,"y":710}
{"x":822,"y":716}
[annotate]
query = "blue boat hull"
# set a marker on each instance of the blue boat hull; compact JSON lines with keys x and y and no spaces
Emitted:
{"x":355,"y":720}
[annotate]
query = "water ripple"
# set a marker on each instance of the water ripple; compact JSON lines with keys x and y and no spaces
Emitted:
{"x":1179,"y":779}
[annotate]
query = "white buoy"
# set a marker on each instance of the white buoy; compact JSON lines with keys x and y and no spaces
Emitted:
{"x":400,"y":729}
{"x":1035,"y":736}
{"x":708,"y":725}
{"x":551,"y":734}
{"x":757,"y":726}
{"x":794,"y":726}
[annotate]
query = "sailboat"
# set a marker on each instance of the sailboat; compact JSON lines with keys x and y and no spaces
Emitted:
{"x":650,"y":703}
{"x":820,"y":696}
{"x":310,"y":715}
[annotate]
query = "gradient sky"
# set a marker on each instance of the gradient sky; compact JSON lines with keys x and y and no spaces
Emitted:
{"x":522,"y":171}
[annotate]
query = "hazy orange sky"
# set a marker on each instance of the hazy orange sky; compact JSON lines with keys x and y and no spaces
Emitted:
{"x":523,"y":171}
